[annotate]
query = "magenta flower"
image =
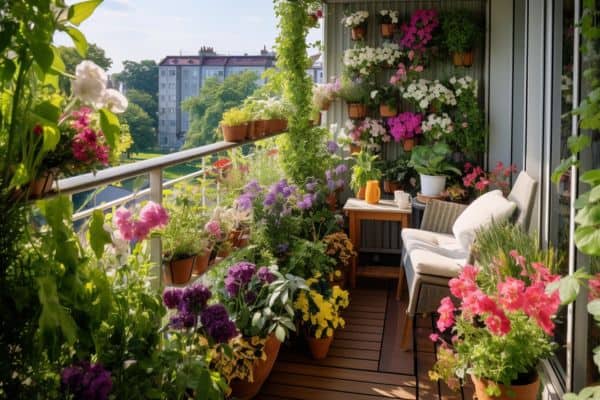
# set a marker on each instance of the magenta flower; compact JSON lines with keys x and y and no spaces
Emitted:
{"x":86,"y":381}
{"x":405,"y":126}
{"x":419,"y":31}
{"x":214,"y":228}
{"x":217,"y":324}
{"x":154,"y":215}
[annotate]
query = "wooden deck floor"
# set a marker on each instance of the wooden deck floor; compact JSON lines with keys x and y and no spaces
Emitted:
{"x":365,"y":361}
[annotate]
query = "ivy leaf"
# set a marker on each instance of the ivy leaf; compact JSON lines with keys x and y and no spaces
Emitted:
{"x":79,"y":40}
{"x":98,"y":237}
{"x":582,"y":201}
{"x":587,"y":240}
{"x":591,"y":177}
{"x":43,"y":55}
{"x":589,"y":215}
{"x":595,"y":194}
{"x":81,"y":11}
{"x":109,"y":123}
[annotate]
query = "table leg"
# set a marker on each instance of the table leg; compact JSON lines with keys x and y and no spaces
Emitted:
{"x":354,"y":240}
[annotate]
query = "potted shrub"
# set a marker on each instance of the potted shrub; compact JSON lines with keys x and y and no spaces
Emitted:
{"x":391,"y":169}
{"x":430,"y":162}
{"x":259,"y":300}
{"x":363,"y":171}
{"x":234,"y":124}
{"x":388,"y":19}
{"x":460,"y":33}
{"x":356,"y":95}
{"x":387,"y":98}
{"x":340,"y":248}
{"x":275,"y":112}
{"x":405,"y":127}
{"x":357,"y":21}
{"x":503,"y":328}
{"x":319,"y":309}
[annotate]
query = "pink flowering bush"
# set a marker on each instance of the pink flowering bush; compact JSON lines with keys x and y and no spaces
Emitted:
{"x":88,"y":144}
{"x":498,"y":178}
{"x":405,"y":126}
{"x":370,"y":133}
{"x":501,"y":328}
{"x":419,"y":31}
{"x":404,"y":74}
{"x":151,"y":216}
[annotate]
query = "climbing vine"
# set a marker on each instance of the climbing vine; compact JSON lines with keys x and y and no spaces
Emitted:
{"x":302,"y":146}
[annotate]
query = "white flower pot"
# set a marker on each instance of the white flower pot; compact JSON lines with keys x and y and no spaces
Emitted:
{"x":432,"y":185}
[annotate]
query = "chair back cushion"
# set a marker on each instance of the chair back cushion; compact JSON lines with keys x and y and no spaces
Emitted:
{"x":523,"y":195}
{"x":491,"y":206}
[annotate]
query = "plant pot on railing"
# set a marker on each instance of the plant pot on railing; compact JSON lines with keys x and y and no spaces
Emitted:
{"x":256,"y":129}
{"x":43,"y":184}
{"x":319,"y":348}
{"x":359,"y":32}
{"x":386,"y":111}
{"x":244,"y":390}
{"x":387,"y":30}
{"x":528,"y":391}
{"x":179,"y":271}
{"x":432,"y":185}
{"x":357,"y":110}
{"x":462,"y":59}
{"x":201,"y":265}
{"x":235,"y":133}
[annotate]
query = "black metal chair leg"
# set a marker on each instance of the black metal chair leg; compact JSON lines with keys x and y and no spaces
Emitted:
{"x":415,"y":358}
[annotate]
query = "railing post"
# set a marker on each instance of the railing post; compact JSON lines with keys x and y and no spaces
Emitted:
{"x":156,"y":187}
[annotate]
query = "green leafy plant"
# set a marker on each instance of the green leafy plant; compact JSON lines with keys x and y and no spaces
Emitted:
{"x":354,"y":91}
{"x":363,"y":170}
{"x":235,"y":116}
{"x":431,"y":160}
{"x":387,"y":95}
{"x":307,"y":258}
{"x":459,"y":31}
{"x":184,"y":235}
{"x":468,"y":119}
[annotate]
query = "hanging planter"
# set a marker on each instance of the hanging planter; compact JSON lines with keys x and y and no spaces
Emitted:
{"x":357,"y":110}
{"x":244,"y":390}
{"x":528,"y":391}
{"x":42,"y":185}
{"x":235,"y":133}
{"x":462,"y":59}
{"x":359,"y":32}
{"x":386,"y":111}
{"x":387,"y":30}
{"x":319,"y":348}
{"x":408,"y":144}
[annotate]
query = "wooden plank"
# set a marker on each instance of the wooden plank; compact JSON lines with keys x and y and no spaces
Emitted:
{"x":338,"y":362}
{"x":342,"y":385}
{"x":351,"y":344}
{"x":339,"y":373}
{"x":380,"y":316}
{"x":383,"y":272}
{"x":368,"y":307}
{"x":320,"y":394}
{"x":354,"y":353}
{"x":363,"y":328}
{"x":358,"y":336}
{"x":363,"y":322}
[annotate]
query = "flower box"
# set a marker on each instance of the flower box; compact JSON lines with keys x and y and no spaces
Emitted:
{"x":235,"y":133}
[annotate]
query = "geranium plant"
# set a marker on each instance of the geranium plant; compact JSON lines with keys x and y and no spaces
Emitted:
{"x":502,"y":330}
{"x":355,"y":19}
{"x":388,"y":16}
{"x":418,"y":32}
{"x":406,"y":125}
{"x":406,"y":74}
{"x":369,"y":133}
{"x":437,"y":127}
{"x":498,"y":178}
{"x":425,"y":94}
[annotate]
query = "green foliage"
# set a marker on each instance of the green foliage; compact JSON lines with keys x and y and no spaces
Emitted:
{"x":206,"y":110}
{"x":141,"y":127}
{"x":183,"y":235}
{"x":302,"y":146}
{"x":142,"y":76}
{"x":308,"y":258}
{"x":364,"y":169}
{"x":235,"y":116}
{"x":459,"y":31}
{"x":432,"y":160}
{"x":469,"y":126}
{"x":387,"y":95}
{"x":354,"y":92}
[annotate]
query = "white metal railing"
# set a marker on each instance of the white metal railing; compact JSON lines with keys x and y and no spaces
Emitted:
{"x":154,"y":168}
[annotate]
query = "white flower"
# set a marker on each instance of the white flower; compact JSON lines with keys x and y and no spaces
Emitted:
{"x":89,"y":84}
{"x":355,"y":19}
{"x":115,"y":101}
{"x":374,"y":93}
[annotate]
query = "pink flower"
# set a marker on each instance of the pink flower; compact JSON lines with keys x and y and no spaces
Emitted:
{"x":141,"y":229}
{"x":541,"y":306}
{"x":543,"y":274}
{"x":405,"y":125}
{"x":511,"y":293}
{"x":154,"y":215}
{"x":434,"y":337}
{"x":594,"y":287}
{"x":519,"y":259}
{"x":124,"y":222}
{"x":498,"y":323}
{"x":446,"y":314}
{"x":214,"y":228}
{"x":482,"y":184}
{"x":411,"y":55}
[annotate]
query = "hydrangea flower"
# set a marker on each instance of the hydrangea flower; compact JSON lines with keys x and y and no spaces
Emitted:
{"x":217,"y":324}
{"x":238,"y":276}
{"x":194,"y":298}
{"x":152,"y":216}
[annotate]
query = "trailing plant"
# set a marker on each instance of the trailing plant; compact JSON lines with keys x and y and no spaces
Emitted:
{"x":459,"y":31}
{"x":432,"y":160}
{"x":302,"y":146}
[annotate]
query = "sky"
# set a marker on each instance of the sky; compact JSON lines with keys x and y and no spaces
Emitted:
{"x":152,"y":29}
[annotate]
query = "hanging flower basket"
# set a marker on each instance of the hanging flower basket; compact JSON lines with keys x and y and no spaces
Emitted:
{"x":359,"y":32}
{"x":357,"y":110}
{"x":387,"y":30}
{"x":236,"y":133}
{"x":462,"y":59}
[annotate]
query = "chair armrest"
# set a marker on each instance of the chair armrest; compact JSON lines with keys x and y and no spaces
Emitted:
{"x":439,"y":216}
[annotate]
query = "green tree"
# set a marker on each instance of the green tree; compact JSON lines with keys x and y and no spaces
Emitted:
{"x":146,"y":101}
{"x":71,"y":58}
{"x":141,"y":75}
{"x":207,"y":108}
{"x":141,"y":128}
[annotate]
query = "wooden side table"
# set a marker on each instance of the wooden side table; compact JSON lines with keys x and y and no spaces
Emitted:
{"x":385,"y":210}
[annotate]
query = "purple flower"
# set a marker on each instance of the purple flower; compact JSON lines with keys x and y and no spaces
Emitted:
{"x":328,"y":174}
{"x":86,"y":381}
{"x":244,"y":202}
{"x":238,"y":276}
{"x":306,"y":202}
{"x":341,"y":169}
{"x":265,"y":275}
{"x":217,"y":323}
{"x":287,"y":191}
{"x":270,"y":199}
{"x":312,"y":186}
{"x":172,"y":298}
{"x":250,"y":297}
{"x":332,"y":147}
{"x":194,"y":298}
{"x":282,"y":248}
{"x":183,"y":320}
{"x":252,"y":187}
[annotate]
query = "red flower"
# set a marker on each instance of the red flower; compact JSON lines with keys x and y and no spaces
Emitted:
{"x":222,"y":164}
{"x":38,"y":130}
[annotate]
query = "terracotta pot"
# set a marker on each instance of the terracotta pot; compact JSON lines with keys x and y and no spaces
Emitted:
{"x":357,"y":110}
{"x":332,"y":201}
{"x":359,"y":32}
{"x":387,"y":30}
{"x":468,"y":58}
{"x":243,"y":241}
{"x":386,"y":111}
{"x":244,"y":390}
{"x":521,"y":392}
{"x":42,"y":185}
{"x":361,"y":193}
{"x":223,"y":253}
{"x":325,"y":106}
{"x":354,"y":148}
{"x":462,"y":59}
{"x":202,"y":260}
{"x":236,"y":133}
{"x":391,"y":186}
{"x":319,"y":347}
{"x":256,"y":129}
{"x":372,"y":192}
{"x":408,"y":144}
{"x":181,"y":270}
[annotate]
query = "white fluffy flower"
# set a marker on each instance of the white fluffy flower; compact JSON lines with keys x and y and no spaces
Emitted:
{"x":89,"y":84}
{"x":355,"y":19}
{"x":115,"y":101}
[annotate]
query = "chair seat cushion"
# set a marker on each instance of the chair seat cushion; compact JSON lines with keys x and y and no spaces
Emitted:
{"x":491,"y":206}
{"x":433,"y":253}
